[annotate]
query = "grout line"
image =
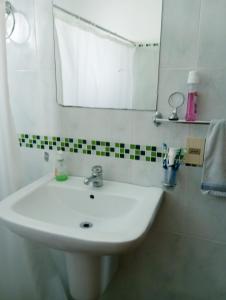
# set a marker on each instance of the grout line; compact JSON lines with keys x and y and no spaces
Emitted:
{"x":199,"y":33}
{"x":191,"y":236}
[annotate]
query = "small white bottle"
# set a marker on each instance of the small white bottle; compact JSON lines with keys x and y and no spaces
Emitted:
{"x":193,"y":81}
{"x":60,"y":168}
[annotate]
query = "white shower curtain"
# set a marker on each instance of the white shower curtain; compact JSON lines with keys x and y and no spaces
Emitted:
{"x":95,"y":69}
{"x":27,"y":271}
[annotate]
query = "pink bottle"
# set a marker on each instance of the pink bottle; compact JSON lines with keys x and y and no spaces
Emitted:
{"x":193,"y":81}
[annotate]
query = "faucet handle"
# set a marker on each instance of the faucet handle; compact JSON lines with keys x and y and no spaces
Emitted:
{"x":97,"y":170}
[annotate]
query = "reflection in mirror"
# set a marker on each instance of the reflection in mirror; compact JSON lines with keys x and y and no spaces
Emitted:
{"x":107,"y":53}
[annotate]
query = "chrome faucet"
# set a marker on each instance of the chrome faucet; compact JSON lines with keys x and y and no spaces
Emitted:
{"x":96,"y":178}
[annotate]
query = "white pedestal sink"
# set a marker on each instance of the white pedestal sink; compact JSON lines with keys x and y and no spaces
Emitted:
{"x":92,"y":225}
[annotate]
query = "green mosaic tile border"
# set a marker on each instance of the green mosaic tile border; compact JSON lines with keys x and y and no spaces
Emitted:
{"x":148,"y":153}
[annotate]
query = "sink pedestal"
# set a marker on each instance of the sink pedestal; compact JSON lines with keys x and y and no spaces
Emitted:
{"x":60,"y":215}
{"x":89,"y":275}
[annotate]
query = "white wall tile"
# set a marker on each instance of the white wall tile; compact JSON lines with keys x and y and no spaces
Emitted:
{"x":169,"y":266}
{"x":49,"y":113}
{"x":84,"y":122}
{"x":25,"y":99}
{"x":212,"y":100}
{"x":212,"y":46}
{"x":146,"y":174}
{"x":180,"y":33}
{"x":44,"y":34}
{"x":119,"y":170}
{"x":120,"y":126}
{"x":141,"y":127}
{"x":35,"y":165}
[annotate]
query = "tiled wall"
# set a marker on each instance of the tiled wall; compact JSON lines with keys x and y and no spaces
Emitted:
{"x":147,"y":153}
{"x":184,"y":256}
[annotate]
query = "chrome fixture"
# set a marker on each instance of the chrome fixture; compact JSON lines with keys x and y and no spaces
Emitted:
{"x":17,"y":25}
{"x":176,"y":100}
{"x":46,"y":156}
{"x":158,"y":120}
{"x":9,"y":12}
{"x":96,"y":178}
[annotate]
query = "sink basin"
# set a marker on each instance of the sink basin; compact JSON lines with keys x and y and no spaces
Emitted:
{"x":53,"y":213}
{"x":86,"y":222}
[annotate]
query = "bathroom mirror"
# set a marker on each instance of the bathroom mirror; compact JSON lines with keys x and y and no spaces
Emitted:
{"x":107,"y":53}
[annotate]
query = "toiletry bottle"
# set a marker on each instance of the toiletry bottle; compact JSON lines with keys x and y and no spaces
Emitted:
{"x":193,"y":81}
{"x":60,"y":168}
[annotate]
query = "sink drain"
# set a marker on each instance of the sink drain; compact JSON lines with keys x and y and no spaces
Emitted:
{"x":86,"y":225}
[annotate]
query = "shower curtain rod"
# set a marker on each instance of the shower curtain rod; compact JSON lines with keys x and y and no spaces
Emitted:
{"x":96,"y":26}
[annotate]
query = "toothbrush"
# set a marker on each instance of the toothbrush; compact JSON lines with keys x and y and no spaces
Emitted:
{"x":165,"y":151}
{"x":177,"y":161}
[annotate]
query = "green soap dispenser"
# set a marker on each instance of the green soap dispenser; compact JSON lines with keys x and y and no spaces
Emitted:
{"x":60,"y":168}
